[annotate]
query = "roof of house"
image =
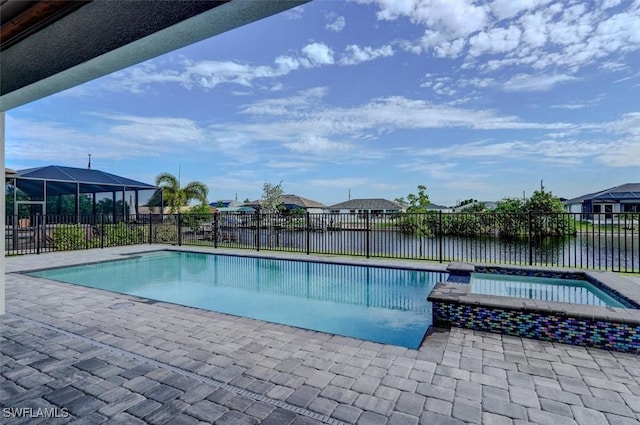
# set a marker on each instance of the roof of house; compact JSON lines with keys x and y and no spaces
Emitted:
{"x":623,"y":191}
{"x":300,"y":201}
{"x":294,"y":200}
{"x":227,"y":202}
{"x":487,"y":204}
{"x":433,"y":206}
{"x":368,"y":204}
{"x":235,"y":209}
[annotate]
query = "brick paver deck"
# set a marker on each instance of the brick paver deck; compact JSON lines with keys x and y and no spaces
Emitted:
{"x":90,"y":356}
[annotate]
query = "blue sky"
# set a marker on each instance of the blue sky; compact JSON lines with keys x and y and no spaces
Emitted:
{"x":473,"y":99}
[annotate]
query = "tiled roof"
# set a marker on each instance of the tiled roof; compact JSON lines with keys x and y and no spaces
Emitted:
{"x":367,"y":204}
{"x":299,"y":200}
{"x":292,"y":200}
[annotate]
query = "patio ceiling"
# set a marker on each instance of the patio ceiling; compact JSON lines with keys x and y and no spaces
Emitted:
{"x":50,"y":46}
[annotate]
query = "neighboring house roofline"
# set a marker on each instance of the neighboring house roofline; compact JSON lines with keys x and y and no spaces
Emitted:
{"x":291,"y":199}
{"x":368,"y":204}
{"x":633,"y":189}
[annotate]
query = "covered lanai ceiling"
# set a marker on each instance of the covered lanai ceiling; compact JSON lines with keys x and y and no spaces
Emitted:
{"x":50,"y":46}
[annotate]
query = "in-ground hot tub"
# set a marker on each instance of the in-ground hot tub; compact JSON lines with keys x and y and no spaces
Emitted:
{"x":601,"y":309}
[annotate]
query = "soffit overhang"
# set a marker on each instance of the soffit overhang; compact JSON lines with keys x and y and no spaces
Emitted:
{"x":50,"y":46}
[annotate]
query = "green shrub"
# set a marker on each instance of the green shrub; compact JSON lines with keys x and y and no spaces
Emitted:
{"x":68,"y":237}
{"x":125,"y":234}
{"x":165,"y":233}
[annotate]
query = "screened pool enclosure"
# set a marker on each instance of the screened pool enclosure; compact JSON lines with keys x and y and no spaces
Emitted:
{"x":73,"y":195}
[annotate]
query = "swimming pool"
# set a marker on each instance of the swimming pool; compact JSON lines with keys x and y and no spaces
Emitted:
{"x":386,"y":305}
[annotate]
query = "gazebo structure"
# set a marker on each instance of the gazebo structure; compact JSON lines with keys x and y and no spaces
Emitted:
{"x":78,"y":194}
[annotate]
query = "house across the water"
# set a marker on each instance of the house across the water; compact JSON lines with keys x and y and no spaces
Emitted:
{"x":619,"y":199}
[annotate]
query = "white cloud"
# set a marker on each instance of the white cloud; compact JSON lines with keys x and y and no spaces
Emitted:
{"x":496,"y":40}
{"x":478,"y":82}
{"x":440,"y":85}
{"x":534,"y":33}
{"x":606,"y":4}
{"x":208,"y":74}
{"x":506,"y":9}
{"x":449,"y":48}
{"x":615,"y":153}
{"x":532,"y":36}
{"x":291,"y":105}
{"x":303,"y":125}
{"x":49,"y":141}
{"x":523,"y":82}
{"x":354,"y":54}
{"x":294,"y":13}
{"x":628,"y":124}
{"x":155,"y":129}
{"x":579,"y":105}
{"x":118,"y":137}
{"x":318,"y":53}
{"x":317,"y":145}
{"x":625,"y":153}
{"x":540,"y":34}
{"x":459,"y":18}
{"x":337,"y":25}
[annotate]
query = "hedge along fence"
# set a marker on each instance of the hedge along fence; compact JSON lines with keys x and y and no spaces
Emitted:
{"x":504,"y":225}
{"x":68,"y":237}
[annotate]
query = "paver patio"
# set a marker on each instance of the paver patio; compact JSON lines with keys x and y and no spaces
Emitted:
{"x":91,"y":356}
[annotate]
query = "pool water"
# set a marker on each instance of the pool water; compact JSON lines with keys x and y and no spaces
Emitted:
{"x":383,"y":305}
{"x":548,"y":289}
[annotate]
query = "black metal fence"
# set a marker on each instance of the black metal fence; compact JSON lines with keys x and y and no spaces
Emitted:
{"x":596,"y":241}
{"x":46,"y":233}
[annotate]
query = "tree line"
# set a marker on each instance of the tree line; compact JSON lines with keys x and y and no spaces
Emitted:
{"x":539,"y":215}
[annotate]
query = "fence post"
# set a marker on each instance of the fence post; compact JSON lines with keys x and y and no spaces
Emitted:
{"x":440,"y":236}
{"x":44,"y":232}
{"x":150,"y":229}
{"x":216,"y":223}
{"x":308,"y":232}
{"x":368,"y":229}
{"x":101,"y":230}
{"x":37,"y":232}
{"x":179,"y":230}
{"x":530,"y":237}
{"x":15,"y":233}
{"x":257,"y":231}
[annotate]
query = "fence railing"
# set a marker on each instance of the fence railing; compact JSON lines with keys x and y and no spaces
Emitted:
{"x":596,"y":241}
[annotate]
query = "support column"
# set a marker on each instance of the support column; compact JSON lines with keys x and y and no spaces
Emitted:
{"x":3,"y":228}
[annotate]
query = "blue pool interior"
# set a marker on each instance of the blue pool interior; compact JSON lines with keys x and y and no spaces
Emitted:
{"x":385,"y":305}
{"x":574,"y":291}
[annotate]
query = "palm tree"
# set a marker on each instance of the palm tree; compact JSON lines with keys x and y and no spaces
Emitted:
{"x":175,"y":196}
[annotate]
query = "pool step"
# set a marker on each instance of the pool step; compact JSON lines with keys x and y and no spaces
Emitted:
{"x":460,"y":272}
